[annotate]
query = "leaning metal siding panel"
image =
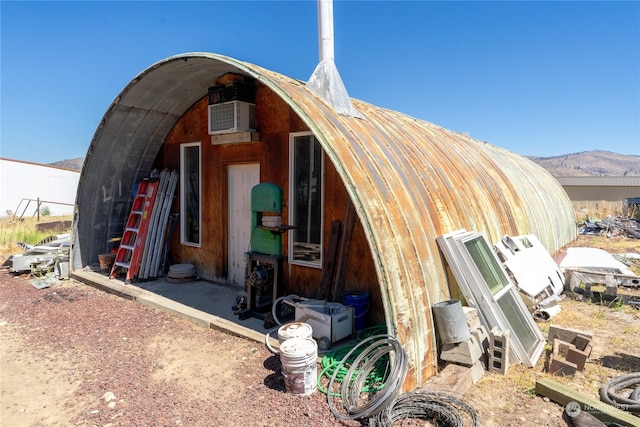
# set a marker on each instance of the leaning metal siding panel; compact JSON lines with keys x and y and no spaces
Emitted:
{"x":409,"y":180}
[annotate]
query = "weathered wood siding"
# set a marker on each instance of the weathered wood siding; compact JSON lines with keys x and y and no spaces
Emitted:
{"x":275,"y":121}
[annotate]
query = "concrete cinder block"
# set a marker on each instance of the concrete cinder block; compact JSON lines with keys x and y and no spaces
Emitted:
{"x":473,"y":320}
{"x":611,"y":286}
{"x":565,"y":334}
{"x":466,"y":352}
{"x":477,"y":371}
{"x":499,"y":338}
{"x":561,"y":348}
{"x":570,"y":355}
{"x":483,"y":361}
{"x":562,"y":367}
{"x":498,"y":353}
{"x":498,"y":366}
{"x":573,"y":281}
{"x":481,"y":335}
{"x":453,"y":378}
{"x":581,"y":342}
{"x":578,"y":357}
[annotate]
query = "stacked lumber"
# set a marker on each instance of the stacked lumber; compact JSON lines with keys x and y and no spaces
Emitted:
{"x":150,"y":266}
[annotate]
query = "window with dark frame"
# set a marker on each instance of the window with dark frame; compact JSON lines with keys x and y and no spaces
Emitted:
{"x":190,"y":205}
{"x":306,"y":200}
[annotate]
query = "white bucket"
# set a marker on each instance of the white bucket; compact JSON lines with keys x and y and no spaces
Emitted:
{"x":299,"y":365}
{"x":294,"y":330}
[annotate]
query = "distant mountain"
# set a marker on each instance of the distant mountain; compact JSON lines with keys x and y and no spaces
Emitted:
{"x":586,"y":163}
{"x":590,"y":163}
{"x":73,"y":164}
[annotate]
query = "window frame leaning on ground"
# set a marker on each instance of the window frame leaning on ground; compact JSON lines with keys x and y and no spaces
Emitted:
{"x":191,"y":193}
{"x":311,"y":223}
{"x":487,"y":287}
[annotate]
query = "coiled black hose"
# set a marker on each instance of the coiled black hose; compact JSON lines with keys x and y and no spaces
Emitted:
{"x":609,"y":392}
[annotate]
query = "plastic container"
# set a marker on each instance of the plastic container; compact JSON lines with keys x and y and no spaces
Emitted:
{"x":359,"y":300}
{"x":299,"y":365}
{"x":294,"y":330}
{"x":106,"y":261}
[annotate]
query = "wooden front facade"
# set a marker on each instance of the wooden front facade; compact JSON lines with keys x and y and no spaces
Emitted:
{"x":275,"y":122}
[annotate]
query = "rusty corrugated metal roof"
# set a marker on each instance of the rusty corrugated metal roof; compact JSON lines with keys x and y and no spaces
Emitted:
{"x":409,"y":180}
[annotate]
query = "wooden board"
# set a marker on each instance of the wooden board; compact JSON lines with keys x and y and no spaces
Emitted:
{"x":454,"y":379}
{"x":563,"y":394}
{"x":329,"y":265}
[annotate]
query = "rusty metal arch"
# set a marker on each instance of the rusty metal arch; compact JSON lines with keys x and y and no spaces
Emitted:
{"x":409,"y":180}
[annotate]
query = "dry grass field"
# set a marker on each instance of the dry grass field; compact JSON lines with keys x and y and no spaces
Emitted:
{"x":29,"y":231}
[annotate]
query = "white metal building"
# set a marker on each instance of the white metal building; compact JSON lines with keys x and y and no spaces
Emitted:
{"x":600,"y":196}
{"x":22,"y":184}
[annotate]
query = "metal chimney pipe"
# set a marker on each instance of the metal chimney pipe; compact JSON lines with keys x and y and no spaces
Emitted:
{"x":325,"y":81}
{"x":325,"y":30}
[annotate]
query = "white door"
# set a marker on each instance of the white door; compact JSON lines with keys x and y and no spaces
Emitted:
{"x":241,"y":179}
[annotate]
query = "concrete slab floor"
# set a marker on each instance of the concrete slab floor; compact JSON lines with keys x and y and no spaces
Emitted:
{"x":204,"y":303}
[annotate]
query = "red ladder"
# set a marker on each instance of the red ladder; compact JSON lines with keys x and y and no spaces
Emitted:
{"x":129,"y":254}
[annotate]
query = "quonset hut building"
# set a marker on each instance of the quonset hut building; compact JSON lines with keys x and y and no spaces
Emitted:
{"x":407,"y":182}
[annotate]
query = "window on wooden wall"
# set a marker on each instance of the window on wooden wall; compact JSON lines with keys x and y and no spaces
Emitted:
{"x":305,"y":200}
{"x":190,"y":206}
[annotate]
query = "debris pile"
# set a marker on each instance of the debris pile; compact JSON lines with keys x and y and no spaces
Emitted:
{"x":494,"y":285}
{"x":611,"y":226}
{"x":585,"y":268}
{"x":465,"y":341}
{"x":534,"y":272}
{"x":47,"y":261}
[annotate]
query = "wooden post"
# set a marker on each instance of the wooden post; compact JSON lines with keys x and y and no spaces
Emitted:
{"x":562,"y":394}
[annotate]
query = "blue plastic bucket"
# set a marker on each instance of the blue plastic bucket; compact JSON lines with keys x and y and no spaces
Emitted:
{"x":359,"y":300}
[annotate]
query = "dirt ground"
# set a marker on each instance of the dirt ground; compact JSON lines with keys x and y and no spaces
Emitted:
{"x":71,"y":355}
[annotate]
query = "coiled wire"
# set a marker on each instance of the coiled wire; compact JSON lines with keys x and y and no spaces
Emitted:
{"x":361,"y":398}
{"x":443,"y":409}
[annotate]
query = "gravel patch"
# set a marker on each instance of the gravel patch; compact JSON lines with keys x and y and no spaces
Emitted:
{"x":121,"y":363}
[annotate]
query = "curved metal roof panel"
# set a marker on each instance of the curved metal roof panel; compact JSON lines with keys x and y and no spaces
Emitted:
{"x":409,"y":180}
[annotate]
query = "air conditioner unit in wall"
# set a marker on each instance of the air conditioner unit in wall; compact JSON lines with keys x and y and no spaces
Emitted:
{"x":232,"y":116}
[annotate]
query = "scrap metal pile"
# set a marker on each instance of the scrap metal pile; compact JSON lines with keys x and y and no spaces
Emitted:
{"x":46,"y":261}
{"x":611,"y":226}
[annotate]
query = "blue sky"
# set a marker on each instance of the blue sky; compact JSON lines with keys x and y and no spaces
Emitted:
{"x":536,"y":78}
